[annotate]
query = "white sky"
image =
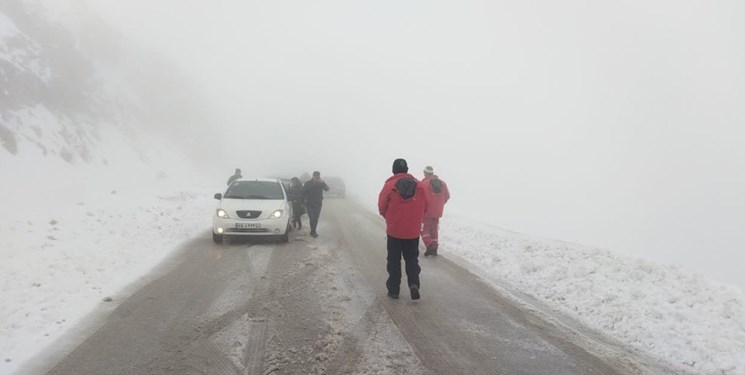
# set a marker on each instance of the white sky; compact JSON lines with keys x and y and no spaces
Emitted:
{"x":618,"y":124}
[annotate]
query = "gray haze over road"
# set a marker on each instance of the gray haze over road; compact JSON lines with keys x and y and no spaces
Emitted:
{"x":319,"y":306}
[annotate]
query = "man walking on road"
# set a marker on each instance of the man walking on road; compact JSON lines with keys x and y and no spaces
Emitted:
{"x":313,"y":192}
{"x":437,"y":194}
{"x":402,"y":203}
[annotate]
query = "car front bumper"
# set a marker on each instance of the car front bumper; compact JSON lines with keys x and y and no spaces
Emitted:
{"x":239,"y":227}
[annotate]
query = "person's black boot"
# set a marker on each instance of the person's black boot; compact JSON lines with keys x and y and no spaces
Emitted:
{"x":414,"y":292}
{"x":392,"y":296}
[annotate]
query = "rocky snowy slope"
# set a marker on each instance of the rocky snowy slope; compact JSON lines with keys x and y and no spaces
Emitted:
{"x":94,"y":189}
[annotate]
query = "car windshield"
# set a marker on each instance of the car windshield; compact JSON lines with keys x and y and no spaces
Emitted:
{"x":255,"y":190}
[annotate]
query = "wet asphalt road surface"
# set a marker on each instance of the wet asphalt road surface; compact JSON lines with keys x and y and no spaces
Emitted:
{"x":319,"y":306}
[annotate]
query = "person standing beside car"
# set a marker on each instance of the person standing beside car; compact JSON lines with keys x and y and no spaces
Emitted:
{"x":235,"y":176}
{"x":295,"y":193}
{"x":402,"y":202}
{"x":313,"y":191}
{"x":437,"y":195}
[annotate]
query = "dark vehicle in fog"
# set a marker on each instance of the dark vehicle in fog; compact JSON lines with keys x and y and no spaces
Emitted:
{"x":337,"y":188}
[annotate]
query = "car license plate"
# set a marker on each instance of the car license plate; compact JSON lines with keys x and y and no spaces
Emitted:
{"x":247,"y":226}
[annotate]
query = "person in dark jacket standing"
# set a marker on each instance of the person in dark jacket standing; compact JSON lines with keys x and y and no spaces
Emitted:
{"x":313,"y":191}
{"x":295,"y":192}
{"x":235,"y":176}
{"x":437,"y":195}
{"x":402,"y":202}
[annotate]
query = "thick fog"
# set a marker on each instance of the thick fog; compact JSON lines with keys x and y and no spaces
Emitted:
{"x":615,"y":124}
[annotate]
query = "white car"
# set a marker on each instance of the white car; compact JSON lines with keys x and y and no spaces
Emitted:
{"x":252,"y":207}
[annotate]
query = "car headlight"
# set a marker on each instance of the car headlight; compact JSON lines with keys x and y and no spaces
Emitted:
{"x":276,"y":214}
{"x":222,"y":214}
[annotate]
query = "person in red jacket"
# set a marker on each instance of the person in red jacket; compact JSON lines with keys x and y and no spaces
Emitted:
{"x":402,"y":203}
{"x":437,"y":194}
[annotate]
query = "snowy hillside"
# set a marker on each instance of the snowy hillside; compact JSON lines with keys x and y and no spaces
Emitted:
{"x":92,"y":192}
{"x":33,"y":116}
{"x":63,"y":94}
{"x":22,"y":63}
{"x":22,"y":70}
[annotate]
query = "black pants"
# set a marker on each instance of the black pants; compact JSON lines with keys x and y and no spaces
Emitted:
{"x":409,"y":249}
{"x":314,"y":211}
{"x":298,"y":209}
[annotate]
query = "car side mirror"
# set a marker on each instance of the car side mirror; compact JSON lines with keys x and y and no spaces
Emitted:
{"x":218,"y":196}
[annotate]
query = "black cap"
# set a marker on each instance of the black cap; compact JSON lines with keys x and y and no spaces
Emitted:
{"x":400,"y":166}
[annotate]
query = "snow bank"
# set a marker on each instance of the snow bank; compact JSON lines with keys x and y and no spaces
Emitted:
{"x":74,"y":233}
{"x":90,"y":200}
{"x":686,"y":320}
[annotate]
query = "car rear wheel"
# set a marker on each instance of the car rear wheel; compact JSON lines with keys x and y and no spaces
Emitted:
{"x":216,"y":238}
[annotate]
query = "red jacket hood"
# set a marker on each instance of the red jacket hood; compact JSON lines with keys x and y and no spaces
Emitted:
{"x":436,"y":201}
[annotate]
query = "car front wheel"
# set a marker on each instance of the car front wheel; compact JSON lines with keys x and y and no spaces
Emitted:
{"x":216,"y":238}
{"x":285,"y":238}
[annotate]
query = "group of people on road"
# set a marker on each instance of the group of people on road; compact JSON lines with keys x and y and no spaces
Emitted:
{"x":411,"y":209}
{"x":305,"y":197}
{"x":308,"y":197}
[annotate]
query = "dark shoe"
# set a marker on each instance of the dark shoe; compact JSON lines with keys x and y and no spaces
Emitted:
{"x":390,"y":292}
{"x":414,"y":292}
{"x":434,"y":252}
{"x":314,"y":234}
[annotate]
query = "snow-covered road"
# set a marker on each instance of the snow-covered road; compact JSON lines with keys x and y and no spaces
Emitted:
{"x":319,"y":306}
